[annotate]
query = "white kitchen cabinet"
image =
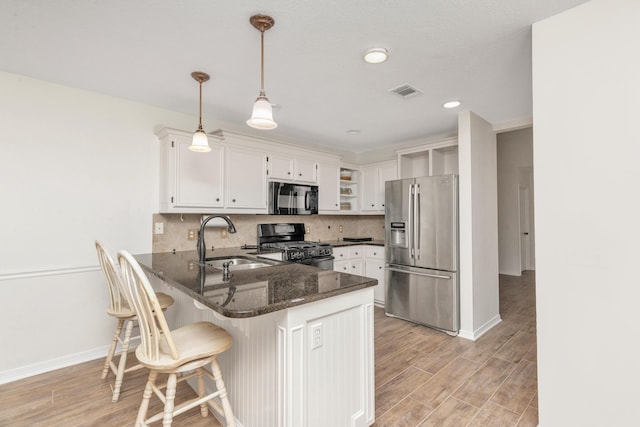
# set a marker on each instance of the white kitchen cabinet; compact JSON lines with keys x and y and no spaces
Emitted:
{"x":190,"y":181}
{"x":363,"y":260}
{"x":374,"y":263}
{"x":328,"y":187}
{"x":349,"y":259}
{"x":435,"y":158}
{"x":282,"y":167}
{"x":246,"y":180}
{"x":275,"y":352}
{"x":349,"y":189}
{"x":372,"y":184}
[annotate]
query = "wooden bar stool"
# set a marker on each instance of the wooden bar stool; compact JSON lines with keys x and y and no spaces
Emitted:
{"x":120,"y":309}
{"x":181,"y":351}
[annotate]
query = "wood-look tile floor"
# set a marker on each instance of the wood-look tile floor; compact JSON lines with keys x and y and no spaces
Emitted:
{"x":427,"y":378}
{"x":423,"y":378}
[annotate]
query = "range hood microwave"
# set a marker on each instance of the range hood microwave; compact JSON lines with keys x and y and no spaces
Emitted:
{"x":292,"y":199}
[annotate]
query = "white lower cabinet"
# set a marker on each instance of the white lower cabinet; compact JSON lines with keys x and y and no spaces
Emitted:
{"x":363,"y":260}
{"x":276,"y":366}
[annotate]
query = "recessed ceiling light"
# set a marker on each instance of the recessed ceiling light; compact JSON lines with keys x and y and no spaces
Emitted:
{"x":375,"y":55}
{"x":353,"y":132}
{"x":451,"y":104}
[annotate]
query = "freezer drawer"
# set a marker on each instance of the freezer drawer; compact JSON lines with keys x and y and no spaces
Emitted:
{"x":427,"y":297}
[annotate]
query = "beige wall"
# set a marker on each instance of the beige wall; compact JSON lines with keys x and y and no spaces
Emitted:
{"x":515,"y":170}
{"x":321,"y":227}
{"x":586,"y":92}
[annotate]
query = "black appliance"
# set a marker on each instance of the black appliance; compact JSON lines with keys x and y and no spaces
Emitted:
{"x":289,"y":238}
{"x":292,"y":199}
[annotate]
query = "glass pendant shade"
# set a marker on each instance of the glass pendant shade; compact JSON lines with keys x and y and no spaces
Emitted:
{"x":200,"y":142}
{"x":262,"y":116}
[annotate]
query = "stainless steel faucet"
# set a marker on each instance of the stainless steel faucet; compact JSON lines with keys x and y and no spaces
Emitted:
{"x":201,"y":247}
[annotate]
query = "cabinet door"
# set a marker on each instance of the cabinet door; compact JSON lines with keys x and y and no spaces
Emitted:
{"x":328,"y":187}
{"x":305,"y":170}
{"x":374,"y":268}
{"x":386,"y":172}
{"x":280,"y":167}
{"x":198,"y":176}
{"x":246,"y":179}
{"x":369,"y":188}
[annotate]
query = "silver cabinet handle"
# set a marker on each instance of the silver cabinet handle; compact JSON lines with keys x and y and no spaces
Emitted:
{"x":435,"y":276}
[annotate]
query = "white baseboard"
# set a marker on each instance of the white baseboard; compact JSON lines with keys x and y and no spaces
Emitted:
{"x":474,"y":335}
{"x":52,"y":364}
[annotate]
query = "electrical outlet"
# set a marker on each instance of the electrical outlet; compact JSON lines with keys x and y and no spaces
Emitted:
{"x":316,"y":336}
{"x":192,"y":234}
{"x":340,"y":228}
{"x":159,"y":227}
{"x":308,"y":230}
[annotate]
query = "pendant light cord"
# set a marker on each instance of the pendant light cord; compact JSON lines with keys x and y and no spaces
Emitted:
{"x":200,"y":118}
{"x":262,"y":62}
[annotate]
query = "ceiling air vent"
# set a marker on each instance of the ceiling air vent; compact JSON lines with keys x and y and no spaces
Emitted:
{"x":405,"y":91}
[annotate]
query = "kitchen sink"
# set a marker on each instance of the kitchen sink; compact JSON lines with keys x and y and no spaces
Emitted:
{"x":239,"y":263}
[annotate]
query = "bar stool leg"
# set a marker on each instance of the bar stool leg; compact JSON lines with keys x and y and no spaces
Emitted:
{"x":112,"y":349}
{"x":170,"y":396}
{"x":146,"y":396}
{"x":204,"y":409}
{"x":123,"y":361}
{"x":226,"y":406}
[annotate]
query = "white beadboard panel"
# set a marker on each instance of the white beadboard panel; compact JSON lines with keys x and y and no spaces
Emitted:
{"x":248,"y":367}
{"x":272,"y":376}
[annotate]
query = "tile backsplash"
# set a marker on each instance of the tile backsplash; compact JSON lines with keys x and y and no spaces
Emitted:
{"x":321,"y":227}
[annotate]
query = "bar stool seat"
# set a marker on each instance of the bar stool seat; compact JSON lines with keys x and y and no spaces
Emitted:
{"x":119,"y":309}
{"x":186,"y":351}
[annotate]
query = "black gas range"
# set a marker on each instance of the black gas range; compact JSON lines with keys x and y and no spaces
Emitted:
{"x":289,"y":238}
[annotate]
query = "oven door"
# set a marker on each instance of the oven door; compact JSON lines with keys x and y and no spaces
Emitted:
{"x":325,"y":262}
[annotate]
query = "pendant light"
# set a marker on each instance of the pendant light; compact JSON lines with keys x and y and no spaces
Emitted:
{"x":200,"y":142}
{"x":262,"y":116}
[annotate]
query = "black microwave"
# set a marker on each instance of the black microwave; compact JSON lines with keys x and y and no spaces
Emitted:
{"x":292,"y":199}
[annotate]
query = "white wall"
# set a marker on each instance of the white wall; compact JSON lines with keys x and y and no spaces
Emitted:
{"x":75,"y":166}
{"x":586,"y":102}
{"x":478,"y":226}
{"x":515,"y":153}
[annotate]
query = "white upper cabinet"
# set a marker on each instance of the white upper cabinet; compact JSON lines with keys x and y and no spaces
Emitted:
{"x":286,"y":168}
{"x":246,"y":179}
{"x":435,"y":158}
{"x":190,"y":181}
{"x":328,"y":186}
{"x":372,"y":184}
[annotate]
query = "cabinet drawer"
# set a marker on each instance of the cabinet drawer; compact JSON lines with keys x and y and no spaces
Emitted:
{"x":376,"y":252}
{"x":341,"y":253}
{"x":356,"y":251}
{"x":342,"y":266}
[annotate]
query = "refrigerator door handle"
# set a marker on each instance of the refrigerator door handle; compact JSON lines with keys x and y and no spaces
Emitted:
{"x":435,"y":276}
{"x":416,"y":217}
{"x":410,"y":222}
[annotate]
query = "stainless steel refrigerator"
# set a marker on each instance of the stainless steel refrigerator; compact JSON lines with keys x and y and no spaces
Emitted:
{"x":421,"y":227}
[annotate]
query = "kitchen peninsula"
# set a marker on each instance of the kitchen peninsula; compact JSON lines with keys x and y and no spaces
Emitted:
{"x":303,"y":337}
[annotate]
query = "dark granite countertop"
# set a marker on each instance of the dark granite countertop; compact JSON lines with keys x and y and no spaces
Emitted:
{"x":339,"y":243}
{"x":249,"y":292}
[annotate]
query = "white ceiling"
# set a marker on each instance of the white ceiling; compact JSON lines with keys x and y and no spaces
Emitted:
{"x":144,"y":50}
